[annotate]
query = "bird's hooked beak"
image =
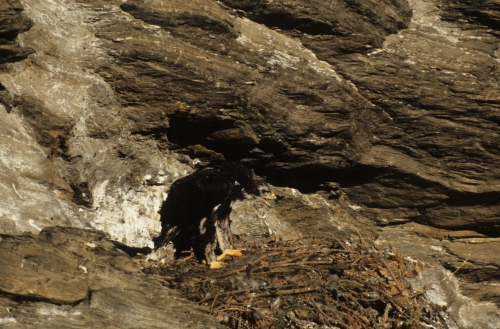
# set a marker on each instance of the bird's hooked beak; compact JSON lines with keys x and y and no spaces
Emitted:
{"x":271,"y":197}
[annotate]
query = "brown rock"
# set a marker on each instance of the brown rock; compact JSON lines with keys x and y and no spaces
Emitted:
{"x":73,"y":278}
{"x":385,"y":112}
{"x":12,"y":22}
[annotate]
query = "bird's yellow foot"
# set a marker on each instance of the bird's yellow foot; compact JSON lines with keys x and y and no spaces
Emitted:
{"x":215,"y":265}
{"x":230,"y":252}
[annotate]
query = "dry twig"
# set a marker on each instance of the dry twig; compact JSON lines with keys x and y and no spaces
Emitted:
{"x":293,"y":285}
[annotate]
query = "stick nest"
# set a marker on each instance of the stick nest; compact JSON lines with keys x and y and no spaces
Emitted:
{"x":320,"y":283}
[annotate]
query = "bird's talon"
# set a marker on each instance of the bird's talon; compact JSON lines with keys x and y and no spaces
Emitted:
{"x":230,"y":252}
{"x":215,"y":265}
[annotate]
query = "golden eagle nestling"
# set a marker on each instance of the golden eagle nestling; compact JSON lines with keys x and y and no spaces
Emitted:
{"x":196,"y":212}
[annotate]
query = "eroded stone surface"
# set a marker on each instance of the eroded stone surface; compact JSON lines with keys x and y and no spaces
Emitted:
{"x":75,"y":278}
{"x":387,"y":111}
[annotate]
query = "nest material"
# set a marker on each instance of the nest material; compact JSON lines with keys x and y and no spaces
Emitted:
{"x":321,"y":283}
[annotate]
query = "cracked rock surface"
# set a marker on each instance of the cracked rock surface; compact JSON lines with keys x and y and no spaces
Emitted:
{"x":377,"y":117}
{"x":75,"y":278}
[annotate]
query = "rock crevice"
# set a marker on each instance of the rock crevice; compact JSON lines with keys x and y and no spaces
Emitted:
{"x":384,"y":111}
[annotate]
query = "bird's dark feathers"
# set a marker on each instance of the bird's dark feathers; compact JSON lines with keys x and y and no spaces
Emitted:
{"x":200,"y":199}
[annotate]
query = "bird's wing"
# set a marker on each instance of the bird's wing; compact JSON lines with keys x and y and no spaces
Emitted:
{"x":192,"y":198}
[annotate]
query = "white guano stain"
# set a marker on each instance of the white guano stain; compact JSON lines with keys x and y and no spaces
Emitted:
{"x":32,"y":223}
{"x":83,"y":268}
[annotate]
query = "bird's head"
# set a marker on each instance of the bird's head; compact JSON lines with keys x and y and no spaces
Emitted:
{"x":267,"y":194}
{"x":262,"y":189}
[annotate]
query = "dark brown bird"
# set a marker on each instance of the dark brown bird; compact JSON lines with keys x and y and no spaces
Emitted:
{"x":196,"y":212}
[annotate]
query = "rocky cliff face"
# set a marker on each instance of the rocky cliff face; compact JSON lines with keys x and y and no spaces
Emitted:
{"x":385,"y":113}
